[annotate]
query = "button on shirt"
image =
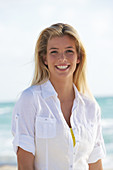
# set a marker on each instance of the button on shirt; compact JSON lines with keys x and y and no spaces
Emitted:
{"x":39,"y":127}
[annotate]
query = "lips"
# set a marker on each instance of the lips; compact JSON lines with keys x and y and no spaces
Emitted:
{"x":62,"y":67}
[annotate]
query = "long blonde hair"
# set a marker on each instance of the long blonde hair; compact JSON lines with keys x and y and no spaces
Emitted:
{"x":41,"y":73}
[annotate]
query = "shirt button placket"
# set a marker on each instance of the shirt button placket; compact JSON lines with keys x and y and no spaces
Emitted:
{"x":71,"y":167}
{"x":71,"y":151}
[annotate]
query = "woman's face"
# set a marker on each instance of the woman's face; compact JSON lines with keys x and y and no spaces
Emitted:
{"x":61,"y":57}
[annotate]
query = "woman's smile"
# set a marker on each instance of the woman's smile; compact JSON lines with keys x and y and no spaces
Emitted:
{"x":62,"y":67}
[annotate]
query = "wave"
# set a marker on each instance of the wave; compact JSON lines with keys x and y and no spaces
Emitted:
{"x":109,"y":148}
{"x":8,"y":160}
{"x":107,"y":123}
{"x":108,"y":162}
{"x":5,"y":110}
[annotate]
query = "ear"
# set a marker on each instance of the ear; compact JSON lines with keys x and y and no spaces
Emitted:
{"x":45,"y":60}
{"x":78,"y":60}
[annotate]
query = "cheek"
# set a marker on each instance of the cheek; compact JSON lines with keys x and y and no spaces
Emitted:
{"x":73,"y":59}
{"x":52,"y":59}
{"x":74,"y":63}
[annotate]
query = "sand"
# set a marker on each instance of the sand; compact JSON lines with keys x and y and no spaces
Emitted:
{"x":6,"y":167}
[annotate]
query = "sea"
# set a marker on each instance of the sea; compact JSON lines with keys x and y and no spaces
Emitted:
{"x":7,"y":155}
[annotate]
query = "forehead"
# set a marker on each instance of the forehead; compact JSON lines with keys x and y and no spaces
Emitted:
{"x":62,"y":41}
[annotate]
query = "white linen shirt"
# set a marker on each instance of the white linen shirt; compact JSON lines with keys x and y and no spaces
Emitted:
{"x":39,"y":127}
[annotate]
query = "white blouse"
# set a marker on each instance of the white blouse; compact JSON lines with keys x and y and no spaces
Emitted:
{"x":39,"y":127}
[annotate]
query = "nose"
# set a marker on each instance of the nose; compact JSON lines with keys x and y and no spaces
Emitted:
{"x":62,"y":57}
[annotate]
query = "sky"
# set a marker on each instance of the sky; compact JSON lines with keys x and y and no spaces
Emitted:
{"x":22,"y":21}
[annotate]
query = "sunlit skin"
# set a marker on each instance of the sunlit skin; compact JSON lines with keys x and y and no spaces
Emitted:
{"x":61,"y":58}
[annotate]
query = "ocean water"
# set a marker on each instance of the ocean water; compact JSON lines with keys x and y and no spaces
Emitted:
{"x":7,"y":155}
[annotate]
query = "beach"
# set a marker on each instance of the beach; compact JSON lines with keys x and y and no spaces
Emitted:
{"x":15,"y":168}
{"x":6,"y":167}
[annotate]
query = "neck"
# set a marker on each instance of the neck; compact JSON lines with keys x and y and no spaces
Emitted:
{"x":64,"y":89}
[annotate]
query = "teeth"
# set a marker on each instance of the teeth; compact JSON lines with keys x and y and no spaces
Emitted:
{"x":62,"y":67}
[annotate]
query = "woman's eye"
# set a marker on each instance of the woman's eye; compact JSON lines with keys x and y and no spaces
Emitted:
{"x":54,"y":52}
{"x":69,"y":51}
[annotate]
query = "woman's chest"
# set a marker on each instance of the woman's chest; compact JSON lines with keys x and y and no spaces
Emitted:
{"x":56,"y":131}
{"x":66,"y":108}
{"x":52,"y":125}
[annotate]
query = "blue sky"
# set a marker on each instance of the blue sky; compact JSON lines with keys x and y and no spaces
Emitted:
{"x":20,"y":24}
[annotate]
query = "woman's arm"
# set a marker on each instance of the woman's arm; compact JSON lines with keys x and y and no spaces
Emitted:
{"x":96,"y":166}
{"x":25,"y":160}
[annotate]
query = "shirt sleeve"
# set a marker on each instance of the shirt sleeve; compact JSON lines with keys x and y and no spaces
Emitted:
{"x":23,"y":121}
{"x":99,"y":151}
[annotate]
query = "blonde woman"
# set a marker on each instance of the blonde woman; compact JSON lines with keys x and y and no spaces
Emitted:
{"x":56,"y":122}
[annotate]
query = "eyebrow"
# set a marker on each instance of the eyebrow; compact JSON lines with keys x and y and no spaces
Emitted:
{"x":53,"y":48}
{"x":70,"y":47}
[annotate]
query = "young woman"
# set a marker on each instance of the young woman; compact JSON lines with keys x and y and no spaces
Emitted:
{"x":55,"y":125}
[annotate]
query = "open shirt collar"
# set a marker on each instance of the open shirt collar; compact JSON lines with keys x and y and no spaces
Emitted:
{"x":49,"y":91}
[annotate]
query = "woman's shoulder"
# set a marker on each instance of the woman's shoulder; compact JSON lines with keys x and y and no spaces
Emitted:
{"x":28,"y":95}
{"x":92,"y":109}
{"x":90,"y":102}
{"x":30,"y":91}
